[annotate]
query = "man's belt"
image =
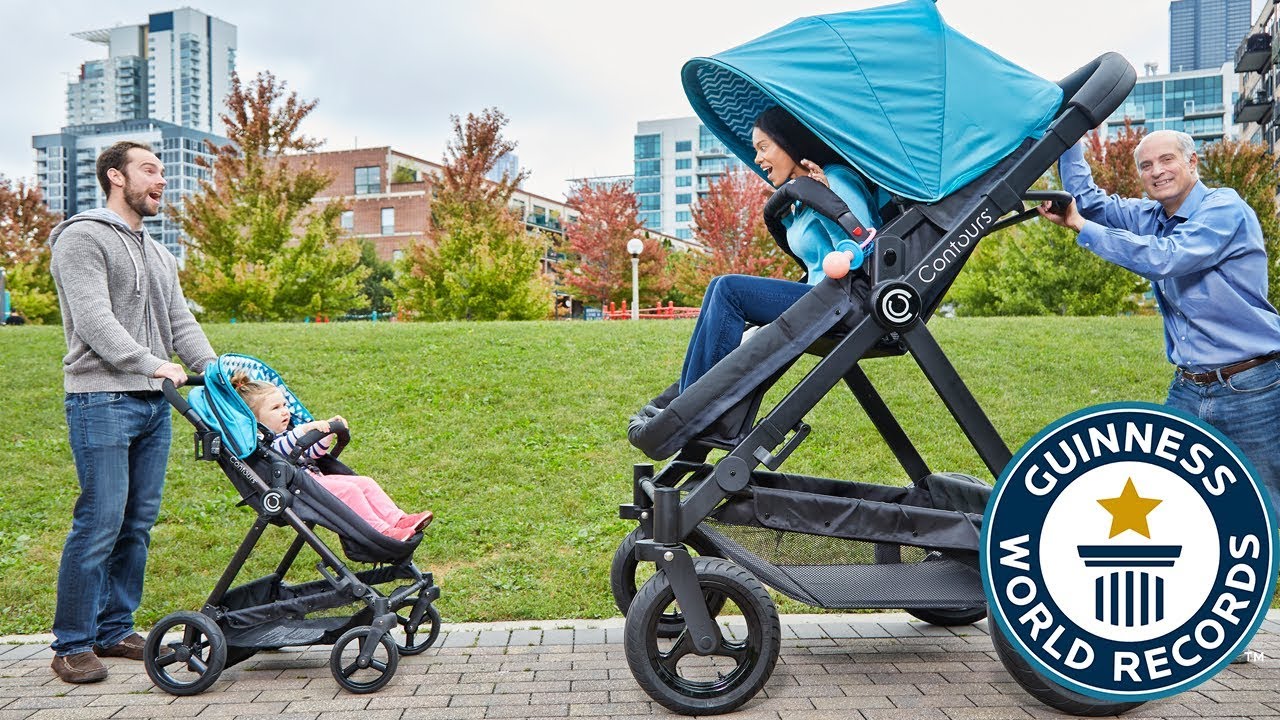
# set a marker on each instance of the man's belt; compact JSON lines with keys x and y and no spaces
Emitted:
{"x":1222,"y":373}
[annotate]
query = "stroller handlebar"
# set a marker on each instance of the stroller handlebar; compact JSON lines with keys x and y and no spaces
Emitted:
{"x":311,"y":437}
{"x":178,"y":402}
{"x":824,"y":201}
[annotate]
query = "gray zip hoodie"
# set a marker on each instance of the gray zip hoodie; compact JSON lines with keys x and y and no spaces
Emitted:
{"x":123,"y":312}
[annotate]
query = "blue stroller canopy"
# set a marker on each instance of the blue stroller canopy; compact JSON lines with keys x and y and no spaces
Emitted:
{"x":912,"y":104}
{"x":222,"y":409}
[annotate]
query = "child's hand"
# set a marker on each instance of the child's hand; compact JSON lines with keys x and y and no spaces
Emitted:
{"x":321,"y":425}
{"x":339,"y":418}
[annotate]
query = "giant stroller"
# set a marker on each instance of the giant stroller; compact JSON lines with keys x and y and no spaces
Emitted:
{"x":957,"y":136}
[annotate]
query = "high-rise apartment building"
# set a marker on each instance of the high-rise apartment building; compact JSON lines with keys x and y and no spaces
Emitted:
{"x":1197,"y":102}
{"x":176,"y":68}
{"x":66,"y":167}
{"x":675,"y":162}
{"x":163,"y":83}
{"x":1203,"y":34}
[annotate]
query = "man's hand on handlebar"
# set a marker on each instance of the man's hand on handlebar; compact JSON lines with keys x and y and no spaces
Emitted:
{"x":171,"y":371}
{"x":1068,"y":217}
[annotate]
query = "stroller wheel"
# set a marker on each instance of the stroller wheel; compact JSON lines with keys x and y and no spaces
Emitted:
{"x":946,"y":617}
{"x":1047,"y":691}
{"x":424,"y":637}
{"x":356,"y":677}
{"x":685,"y":682}
{"x":625,"y":576}
{"x":187,"y":666}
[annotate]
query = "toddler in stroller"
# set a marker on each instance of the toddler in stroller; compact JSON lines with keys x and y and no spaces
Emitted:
{"x":360,"y":493}
{"x":187,"y":651}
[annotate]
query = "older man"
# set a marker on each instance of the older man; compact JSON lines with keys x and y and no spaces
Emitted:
{"x":1202,"y":250}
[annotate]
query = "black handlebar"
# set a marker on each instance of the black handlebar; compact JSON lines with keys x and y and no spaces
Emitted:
{"x":1098,"y":88}
{"x":311,"y":437}
{"x":817,"y":196}
{"x":178,"y":402}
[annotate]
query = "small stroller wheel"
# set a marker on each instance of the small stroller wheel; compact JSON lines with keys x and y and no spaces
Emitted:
{"x":684,"y":682}
{"x":946,"y":617}
{"x":345,"y":664}
{"x":625,"y":568}
{"x":424,"y":637}
{"x":190,"y":665}
{"x":1047,"y":691}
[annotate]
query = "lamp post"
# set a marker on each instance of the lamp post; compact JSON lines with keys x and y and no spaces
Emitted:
{"x":635,"y":246}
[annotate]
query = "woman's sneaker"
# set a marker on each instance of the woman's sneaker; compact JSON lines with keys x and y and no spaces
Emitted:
{"x":81,"y":667}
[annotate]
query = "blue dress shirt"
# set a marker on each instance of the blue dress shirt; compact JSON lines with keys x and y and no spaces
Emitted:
{"x":1207,"y":263}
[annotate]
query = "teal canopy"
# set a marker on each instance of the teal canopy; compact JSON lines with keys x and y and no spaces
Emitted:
{"x":909,"y":102}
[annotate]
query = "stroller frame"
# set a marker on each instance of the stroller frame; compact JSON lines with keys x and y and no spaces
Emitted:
{"x":266,"y":613}
{"x":939,"y":513}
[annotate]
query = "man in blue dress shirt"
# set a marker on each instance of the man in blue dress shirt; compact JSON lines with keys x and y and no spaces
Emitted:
{"x":1202,"y":250}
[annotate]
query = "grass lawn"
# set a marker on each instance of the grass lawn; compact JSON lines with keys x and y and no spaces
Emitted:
{"x":515,"y":435}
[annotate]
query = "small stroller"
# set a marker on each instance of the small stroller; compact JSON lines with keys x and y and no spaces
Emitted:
{"x":186,"y":651}
{"x":957,"y":136}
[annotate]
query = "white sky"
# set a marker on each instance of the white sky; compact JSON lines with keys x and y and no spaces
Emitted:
{"x":573,"y":76}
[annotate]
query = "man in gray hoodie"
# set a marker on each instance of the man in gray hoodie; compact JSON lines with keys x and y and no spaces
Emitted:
{"x":124,"y":317}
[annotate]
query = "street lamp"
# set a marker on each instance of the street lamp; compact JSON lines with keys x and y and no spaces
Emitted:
{"x":635,"y":246}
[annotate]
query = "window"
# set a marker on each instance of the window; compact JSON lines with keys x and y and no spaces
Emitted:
{"x":684,"y":181}
{"x":388,"y":221}
{"x":683,"y":216}
{"x":684,"y":163}
{"x":348,"y":220}
{"x":684,"y":146}
{"x":368,"y":180}
{"x":649,"y":202}
{"x":651,"y":219}
{"x":684,"y":198}
{"x":648,"y":146}
{"x":648,"y":167}
{"x":684,"y":233}
{"x":650,"y":184}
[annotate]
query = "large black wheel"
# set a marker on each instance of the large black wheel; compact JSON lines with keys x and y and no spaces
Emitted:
{"x":345,"y":666}
{"x":187,"y":666}
{"x":626,"y":574}
{"x":947,"y":617}
{"x":1047,"y":691}
{"x":424,"y":636}
{"x":690,"y":684}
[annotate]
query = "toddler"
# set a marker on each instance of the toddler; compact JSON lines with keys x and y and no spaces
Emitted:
{"x":360,"y":493}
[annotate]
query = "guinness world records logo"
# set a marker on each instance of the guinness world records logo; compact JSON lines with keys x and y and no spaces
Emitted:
{"x":1128,"y":552}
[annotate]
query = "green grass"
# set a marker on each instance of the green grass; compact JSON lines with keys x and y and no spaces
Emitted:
{"x":515,"y":435}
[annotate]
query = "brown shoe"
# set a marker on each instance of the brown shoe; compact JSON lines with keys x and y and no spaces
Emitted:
{"x":130,"y":647}
{"x":81,"y":667}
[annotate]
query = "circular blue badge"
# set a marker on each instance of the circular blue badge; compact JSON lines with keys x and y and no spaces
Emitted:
{"x":1128,"y":552}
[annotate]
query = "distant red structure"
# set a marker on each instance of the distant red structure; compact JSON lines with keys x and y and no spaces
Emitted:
{"x":668,"y":312}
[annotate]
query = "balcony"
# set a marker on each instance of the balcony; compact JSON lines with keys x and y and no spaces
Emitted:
{"x":1254,"y":53}
{"x":1192,"y":111}
{"x":1253,"y":109}
{"x":545,"y":222}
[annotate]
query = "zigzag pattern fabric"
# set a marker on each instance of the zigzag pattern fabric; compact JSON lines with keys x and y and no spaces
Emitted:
{"x":738,"y":102}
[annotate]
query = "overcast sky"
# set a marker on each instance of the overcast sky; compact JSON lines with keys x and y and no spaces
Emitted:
{"x":573,"y":76}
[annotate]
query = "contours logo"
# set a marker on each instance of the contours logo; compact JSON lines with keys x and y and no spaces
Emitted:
{"x":929,"y":271}
{"x":1128,"y":552}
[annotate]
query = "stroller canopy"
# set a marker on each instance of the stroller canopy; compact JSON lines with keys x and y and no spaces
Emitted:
{"x":220,"y":406}
{"x":912,"y":104}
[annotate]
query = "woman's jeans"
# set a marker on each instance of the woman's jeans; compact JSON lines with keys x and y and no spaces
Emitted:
{"x":1245,"y":408}
{"x":121,"y":447}
{"x":730,"y":303}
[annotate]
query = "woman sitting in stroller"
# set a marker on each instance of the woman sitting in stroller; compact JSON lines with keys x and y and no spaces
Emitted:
{"x":360,"y":493}
{"x":785,"y":150}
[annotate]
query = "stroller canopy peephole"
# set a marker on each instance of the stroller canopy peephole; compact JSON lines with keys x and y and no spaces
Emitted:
{"x":909,"y":102}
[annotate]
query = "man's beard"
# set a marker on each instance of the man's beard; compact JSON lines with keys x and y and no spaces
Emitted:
{"x":138,"y":201}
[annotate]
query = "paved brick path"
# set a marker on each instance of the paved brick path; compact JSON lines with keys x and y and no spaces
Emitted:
{"x":846,"y":667}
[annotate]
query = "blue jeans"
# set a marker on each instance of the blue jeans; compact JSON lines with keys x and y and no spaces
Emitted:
{"x":730,"y":303}
{"x":1245,"y":408}
{"x":121,"y":447}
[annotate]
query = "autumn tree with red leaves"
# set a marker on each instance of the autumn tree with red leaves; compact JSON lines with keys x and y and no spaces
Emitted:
{"x":1114,"y":169}
{"x":25,"y":224}
{"x":599,"y":266}
{"x":258,"y":248}
{"x":478,"y":260}
{"x":1249,"y":169}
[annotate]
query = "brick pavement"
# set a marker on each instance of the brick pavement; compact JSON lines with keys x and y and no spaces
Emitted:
{"x":847,"y":667}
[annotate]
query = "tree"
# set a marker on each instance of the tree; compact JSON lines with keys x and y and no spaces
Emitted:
{"x":25,"y":225}
{"x":258,"y":248}
{"x":1036,"y":268}
{"x":377,"y":284}
{"x":477,"y":261}
{"x":599,"y":266}
{"x":729,"y":221}
{"x":1250,"y":170}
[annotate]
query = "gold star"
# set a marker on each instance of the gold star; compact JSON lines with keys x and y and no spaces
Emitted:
{"x":1129,"y":511}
